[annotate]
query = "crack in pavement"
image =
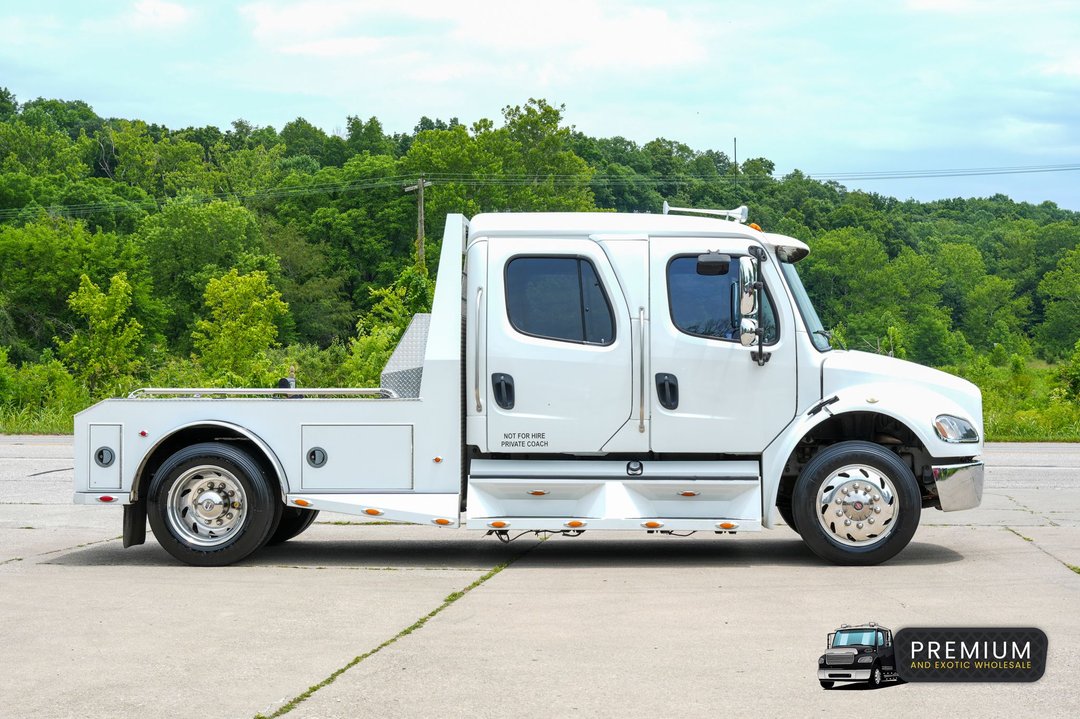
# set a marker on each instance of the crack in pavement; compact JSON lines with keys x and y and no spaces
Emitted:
{"x":415,"y":626}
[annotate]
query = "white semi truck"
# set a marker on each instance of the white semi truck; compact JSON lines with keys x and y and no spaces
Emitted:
{"x":578,"y":371}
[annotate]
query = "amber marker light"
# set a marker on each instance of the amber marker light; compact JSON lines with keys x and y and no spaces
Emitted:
{"x":689,"y":493}
{"x":437,"y":460}
{"x":302,"y":502}
{"x":441,"y":521}
{"x":574,"y":524}
{"x":754,"y":226}
{"x":538,"y":492}
{"x":373,"y":512}
{"x":652,"y":525}
{"x":498,"y":524}
{"x":727,"y":525}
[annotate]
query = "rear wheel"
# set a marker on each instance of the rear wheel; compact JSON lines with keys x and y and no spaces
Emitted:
{"x":294,"y":521}
{"x":826,"y":684}
{"x":856,"y":503}
{"x":211,"y":504}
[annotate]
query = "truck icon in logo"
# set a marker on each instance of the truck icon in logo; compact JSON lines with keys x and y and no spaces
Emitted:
{"x":858,"y":653}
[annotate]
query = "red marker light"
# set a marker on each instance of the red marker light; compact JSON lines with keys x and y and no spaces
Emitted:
{"x":106,"y":498}
{"x":142,"y":432}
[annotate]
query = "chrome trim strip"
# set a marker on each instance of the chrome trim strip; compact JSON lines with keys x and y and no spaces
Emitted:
{"x":476,"y":354}
{"x":641,"y":362}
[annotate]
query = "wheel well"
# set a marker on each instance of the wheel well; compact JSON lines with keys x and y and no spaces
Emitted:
{"x":867,"y":426}
{"x":193,"y":435}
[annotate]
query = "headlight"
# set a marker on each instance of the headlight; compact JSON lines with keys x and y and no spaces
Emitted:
{"x":954,"y":429}
{"x":821,"y":660}
{"x":866,"y":659}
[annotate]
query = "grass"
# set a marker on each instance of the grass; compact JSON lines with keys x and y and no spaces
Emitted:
{"x":1073,"y":567}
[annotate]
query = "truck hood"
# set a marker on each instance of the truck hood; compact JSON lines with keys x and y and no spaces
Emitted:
{"x":847,"y":368}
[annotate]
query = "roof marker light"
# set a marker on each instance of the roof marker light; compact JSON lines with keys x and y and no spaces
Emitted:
{"x":538,"y":492}
{"x":689,"y":493}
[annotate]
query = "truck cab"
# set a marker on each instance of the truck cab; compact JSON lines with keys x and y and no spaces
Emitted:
{"x":578,"y":371}
{"x":860,"y":653}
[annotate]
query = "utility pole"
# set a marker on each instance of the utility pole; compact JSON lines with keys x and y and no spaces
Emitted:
{"x":419,"y":188}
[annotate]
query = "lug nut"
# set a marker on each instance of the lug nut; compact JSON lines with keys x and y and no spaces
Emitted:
{"x":228,"y":516}
{"x":839,"y":513}
{"x":871,"y":520}
{"x":847,"y":522}
{"x":221,"y":486}
{"x":839,"y":500}
{"x":232,"y":493}
{"x":877,"y":510}
{"x":859,"y":525}
{"x":220,"y":521}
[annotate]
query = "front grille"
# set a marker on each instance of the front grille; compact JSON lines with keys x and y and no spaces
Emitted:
{"x":835,"y":659}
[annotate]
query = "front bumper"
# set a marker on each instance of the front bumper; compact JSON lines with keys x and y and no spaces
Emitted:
{"x":839,"y":674}
{"x":959,"y":486}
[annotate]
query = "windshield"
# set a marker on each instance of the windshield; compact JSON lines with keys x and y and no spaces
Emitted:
{"x":818,"y":335}
{"x":848,"y":639}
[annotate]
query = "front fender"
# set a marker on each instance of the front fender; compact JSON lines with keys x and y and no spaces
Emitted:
{"x":913,"y":406}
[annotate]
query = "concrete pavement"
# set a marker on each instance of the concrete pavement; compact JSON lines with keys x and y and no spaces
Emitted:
{"x":600,"y":625}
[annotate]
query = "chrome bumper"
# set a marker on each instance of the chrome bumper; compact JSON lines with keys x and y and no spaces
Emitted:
{"x":852,"y":675}
{"x":959,"y":486}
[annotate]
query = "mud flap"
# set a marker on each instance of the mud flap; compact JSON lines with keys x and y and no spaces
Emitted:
{"x":134,"y":524}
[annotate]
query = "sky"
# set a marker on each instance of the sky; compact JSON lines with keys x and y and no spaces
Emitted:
{"x":829,"y":87}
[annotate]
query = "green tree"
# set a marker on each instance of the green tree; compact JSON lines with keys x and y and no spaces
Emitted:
{"x":1060,"y":292}
{"x":188,"y":243}
{"x":104,"y":351}
{"x":242,"y":312}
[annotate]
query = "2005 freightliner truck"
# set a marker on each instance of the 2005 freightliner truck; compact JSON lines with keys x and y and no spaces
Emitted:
{"x":582,"y":371}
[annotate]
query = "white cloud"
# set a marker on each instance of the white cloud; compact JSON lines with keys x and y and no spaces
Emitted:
{"x":158,"y":14}
{"x":336,"y":47}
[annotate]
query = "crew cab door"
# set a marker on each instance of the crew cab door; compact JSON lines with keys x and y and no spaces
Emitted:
{"x":708,"y":395}
{"x":558,"y":370}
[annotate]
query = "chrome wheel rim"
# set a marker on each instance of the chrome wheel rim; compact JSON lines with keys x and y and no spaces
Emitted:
{"x":206,"y":506}
{"x":857,"y":506}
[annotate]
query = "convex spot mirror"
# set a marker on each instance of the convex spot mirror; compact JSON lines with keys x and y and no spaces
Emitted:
{"x":748,"y":331}
{"x":713,"y":263}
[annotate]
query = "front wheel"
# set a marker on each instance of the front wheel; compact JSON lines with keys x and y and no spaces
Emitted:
{"x":211,"y":504}
{"x":856,"y":503}
{"x":826,"y":684}
{"x":876,"y":677}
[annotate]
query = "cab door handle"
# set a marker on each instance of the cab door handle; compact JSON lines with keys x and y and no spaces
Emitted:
{"x":667,"y":390}
{"x":502,"y":386}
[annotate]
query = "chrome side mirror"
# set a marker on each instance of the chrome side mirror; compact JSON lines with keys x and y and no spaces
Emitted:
{"x":748,"y":289}
{"x":748,"y":334}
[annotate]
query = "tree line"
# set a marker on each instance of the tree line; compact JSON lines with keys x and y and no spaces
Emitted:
{"x":135,"y":254}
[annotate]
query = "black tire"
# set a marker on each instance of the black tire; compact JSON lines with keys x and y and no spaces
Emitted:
{"x":249,"y":515}
{"x":862,"y":465}
{"x":875,"y":680}
{"x":294,"y":520}
{"x":787,"y":515}
{"x":826,"y":684}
